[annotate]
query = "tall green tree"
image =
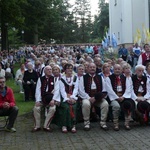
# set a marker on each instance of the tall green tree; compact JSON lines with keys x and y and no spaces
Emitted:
{"x":60,"y":23}
{"x":82,"y":14}
{"x":35,"y":12}
{"x":11,"y":15}
{"x":101,"y":21}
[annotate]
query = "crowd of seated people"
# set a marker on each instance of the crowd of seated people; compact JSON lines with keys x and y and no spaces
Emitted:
{"x":60,"y":78}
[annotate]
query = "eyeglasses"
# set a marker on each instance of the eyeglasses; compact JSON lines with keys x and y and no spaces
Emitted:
{"x":2,"y":82}
{"x":69,"y":68}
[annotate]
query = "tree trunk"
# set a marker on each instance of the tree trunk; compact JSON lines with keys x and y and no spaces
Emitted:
{"x":4,"y":33}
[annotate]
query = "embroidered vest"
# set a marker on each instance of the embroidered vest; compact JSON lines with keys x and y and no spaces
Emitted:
{"x":88,"y":81}
{"x":69,"y":89}
{"x":45,"y":83}
{"x":137,"y":83}
{"x":144,"y":59}
{"x":113,"y":79}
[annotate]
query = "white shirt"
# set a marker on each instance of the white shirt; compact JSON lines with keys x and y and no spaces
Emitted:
{"x":147,"y":95}
{"x":19,"y":75}
{"x":62,"y":88}
{"x":56,"y":93}
{"x":128,"y":91}
{"x":2,"y":72}
{"x":82,"y":92}
{"x":8,"y":70}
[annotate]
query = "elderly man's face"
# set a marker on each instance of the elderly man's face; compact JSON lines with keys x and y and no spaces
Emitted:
{"x":48,"y":71}
{"x":117,"y":70}
{"x":92,"y":68}
{"x":139,"y":72}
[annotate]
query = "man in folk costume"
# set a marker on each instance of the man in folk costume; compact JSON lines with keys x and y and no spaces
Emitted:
{"x":119,"y":88}
{"x":91,"y":88}
{"x":145,"y":57}
{"x":47,"y":96}
{"x":141,"y":86}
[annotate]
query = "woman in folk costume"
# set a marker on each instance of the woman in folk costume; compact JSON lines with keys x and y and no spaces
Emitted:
{"x":69,"y":91}
{"x":105,"y":70}
{"x":56,"y":72}
{"x":80,"y":71}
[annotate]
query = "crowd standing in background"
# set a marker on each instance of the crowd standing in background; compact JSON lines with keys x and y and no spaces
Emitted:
{"x":90,"y":77}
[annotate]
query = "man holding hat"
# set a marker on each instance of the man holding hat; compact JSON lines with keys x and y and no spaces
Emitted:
{"x":47,"y":96}
{"x":119,"y":89}
{"x":91,"y":88}
{"x":141,"y":86}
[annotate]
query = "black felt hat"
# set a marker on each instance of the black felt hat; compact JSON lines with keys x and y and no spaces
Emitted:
{"x":100,"y":95}
{"x":47,"y":98}
{"x":143,"y":106}
{"x":128,"y":105}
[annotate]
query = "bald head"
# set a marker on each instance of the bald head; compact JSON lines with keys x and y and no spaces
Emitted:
{"x":91,"y":68}
{"x":117,"y":69}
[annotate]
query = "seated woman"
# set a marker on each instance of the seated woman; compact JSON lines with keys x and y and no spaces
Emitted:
{"x":105,"y":70}
{"x":8,"y":74}
{"x":29,"y":82}
{"x":69,"y":91}
{"x":80,"y":71}
{"x":56,"y":71}
{"x":19,"y":77}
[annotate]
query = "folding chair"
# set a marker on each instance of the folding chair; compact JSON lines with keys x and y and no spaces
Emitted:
{"x":3,"y":122}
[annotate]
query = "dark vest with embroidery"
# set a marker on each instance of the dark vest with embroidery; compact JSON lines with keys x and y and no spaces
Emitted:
{"x":145,"y":59}
{"x":137,"y":83}
{"x":113,"y":79}
{"x":45,"y":83}
{"x":88,"y":81}
{"x":69,"y":89}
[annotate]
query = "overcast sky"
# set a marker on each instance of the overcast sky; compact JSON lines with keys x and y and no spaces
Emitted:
{"x":94,"y":6}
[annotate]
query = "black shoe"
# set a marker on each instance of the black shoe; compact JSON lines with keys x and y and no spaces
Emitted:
{"x":35,"y":129}
{"x":47,"y":129}
{"x":116,"y":128}
{"x":127,"y":127}
{"x":87,"y":128}
{"x":104,"y":127}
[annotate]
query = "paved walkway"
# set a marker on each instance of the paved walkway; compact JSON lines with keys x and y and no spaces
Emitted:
{"x":96,"y":139}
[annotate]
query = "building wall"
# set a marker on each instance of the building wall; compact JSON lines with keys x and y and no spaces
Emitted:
{"x":140,"y":13}
{"x":126,"y":17}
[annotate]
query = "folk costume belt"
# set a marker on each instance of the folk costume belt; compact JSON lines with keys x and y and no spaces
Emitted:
{"x":119,"y":94}
{"x":139,"y":94}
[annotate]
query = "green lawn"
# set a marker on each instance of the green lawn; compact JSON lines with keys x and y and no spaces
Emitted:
{"x":24,"y":107}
